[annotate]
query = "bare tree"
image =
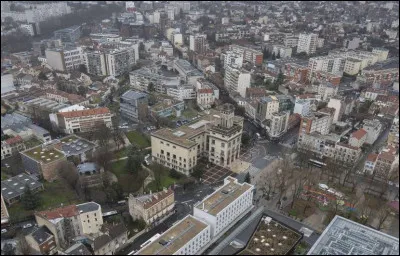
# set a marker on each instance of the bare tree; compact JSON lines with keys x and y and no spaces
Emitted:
{"x":23,"y":246}
{"x":68,"y":172}
{"x":297,"y":187}
{"x":382,"y":215}
{"x":103,"y":157}
{"x":102,"y":134}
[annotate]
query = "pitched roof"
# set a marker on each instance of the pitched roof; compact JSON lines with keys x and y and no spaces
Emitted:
{"x":41,"y":235}
{"x":62,"y":212}
{"x":372,"y":157}
{"x":205,"y":90}
{"x":14,"y":140}
{"x":359,"y":134}
{"x":86,"y":112}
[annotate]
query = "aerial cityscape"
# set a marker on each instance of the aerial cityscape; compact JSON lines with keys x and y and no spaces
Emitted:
{"x":200,"y":128}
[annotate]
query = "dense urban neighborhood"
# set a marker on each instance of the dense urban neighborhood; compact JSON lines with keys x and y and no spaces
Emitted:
{"x":200,"y":128}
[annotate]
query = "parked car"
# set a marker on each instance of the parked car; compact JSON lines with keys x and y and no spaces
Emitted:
{"x":29,"y":225}
{"x":4,"y":231}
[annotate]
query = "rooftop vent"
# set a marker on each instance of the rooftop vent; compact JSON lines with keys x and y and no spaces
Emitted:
{"x":179,"y":133}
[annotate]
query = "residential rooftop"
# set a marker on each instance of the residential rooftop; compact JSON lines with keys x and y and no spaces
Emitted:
{"x":88,"y":207}
{"x":43,"y":155}
{"x":175,"y":237}
{"x":224,"y":196}
{"x":74,"y":145}
{"x":346,"y":237}
{"x":15,"y":186}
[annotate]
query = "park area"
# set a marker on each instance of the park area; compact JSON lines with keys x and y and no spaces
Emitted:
{"x":138,"y":139}
{"x":130,"y":182}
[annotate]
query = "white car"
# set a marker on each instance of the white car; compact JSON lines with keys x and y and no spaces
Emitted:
{"x":323,"y":186}
{"x":29,"y":225}
{"x":4,"y":231}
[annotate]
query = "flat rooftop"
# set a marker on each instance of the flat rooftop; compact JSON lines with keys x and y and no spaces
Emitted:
{"x":224,"y":196}
{"x":271,"y":238}
{"x":175,"y":237}
{"x":44,"y":155}
{"x":15,"y":186}
{"x":346,"y":237}
{"x":74,"y":145}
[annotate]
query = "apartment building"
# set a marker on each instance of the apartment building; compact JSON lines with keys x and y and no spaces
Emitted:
{"x":339,"y":107}
{"x":71,"y":221}
{"x":352,"y":66}
{"x":325,"y":77}
{"x":307,"y":43}
{"x":237,"y":80}
{"x":250,"y":55}
{"x":387,"y":162}
{"x":266,"y":107}
{"x":232,"y":33}
{"x":68,"y":35}
{"x":63,"y":97}
{"x":110,"y":240}
{"x":82,"y":120}
{"x":352,"y":44}
{"x":43,"y":160}
{"x":373,"y":129}
{"x":393,"y":136}
{"x":302,"y":107}
{"x":198,"y":43}
{"x":182,"y":92}
{"x":332,"y":64}
{"x":279,"y":124}
{"x":217,"y":136}
{"x":373,"y":93}
{"x":153,"y":206}
{"x":187,"y":72}
{"x":187,"y":237}
{"x":296,"y":72}
{"x":316,"y":122}
{"x":119,"y":61}
{"x":12,"y":189}
{"x":326,"y":91}
{"x":382,"y":52}
{"x":282,"y":51}
{"x":291,"y":41}
{"x":167,"y":107}
{"x":206,"y":92}
{"x":346,"y":154}
{"x":134,"y":105}
{"x":96,"y":63}
{"x":232,"y":58}
{"x":223,"y":207}
{"x":141,"y":78}
{"x":369,"y":165}
{"x":12,"y":146}
{"x":357,"y":138}
{"x":66,"y":59}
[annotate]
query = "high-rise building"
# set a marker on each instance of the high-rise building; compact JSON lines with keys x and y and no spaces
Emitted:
{"x":302,"y":107}
{"x":279,"y":124}
{"x":307,"y":43}
{"x":237,"y":80}
{"x":69,"y":58}
{"x":96,"y":63}
{"x":233,"y":58}
{"x":316,"y":122}
{"x":266,"y":106}
{"x":250,"y":55}
{"x":339,"y":107}
{"x":198,"y":43}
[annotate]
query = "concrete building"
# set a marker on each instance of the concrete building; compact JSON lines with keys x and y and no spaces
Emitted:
{"x":346,"y":153}
{"x":119,"y":61}
{"x":206,"y":92}
{"x":332,"y":64}
{"x":393,"y":136}
{"x":279,"y":124}
{"x":82,"y":120}
{"x":187,"y":237}
{"x":198,"y":43}
{"x":134,"y":105}
{"x":7,"y":84}
{"x":141,"y":78}
{"x":70,"y":221}
{"x":90,"y":175}
{"x":357,"y":138}
{"x":316,"y":122}
{"x":352,"y":44}
{"x":326,"y":91}
{"x":225,"y":205}
{"x":65,"y":59}
{"x":365,"y":240}
{"x":266,"y":107}
{"x":12,"y":146}
{"x":68,"y":35}
{"x":43,"y":160}
{"x":232,"y":33}
{"x":250,"y":55}
{"x":42,"y":241}
{"x":307,"y":43}
{"x":217,"y":136}
{"x":291,"y":41}
{"x":383,"y":53}
{"x":95,"y":62}
{"x":282,"y":51}
{"x":237,"y":80}
{"x":13,"y":188}
{"x":373,"y":129}
{"x":29,"y":29}
{"x":339,"y":107}
{"x":153,"y":206}
{"x":233,"y":58}
{"x":302,"y":107}
{"x":167,"y":107}
{"x":110,"y":240}
{"x":187,"y":72}
{"x":387,"y":162}
{"x":352,"y":66}
{"x":182,"y":92}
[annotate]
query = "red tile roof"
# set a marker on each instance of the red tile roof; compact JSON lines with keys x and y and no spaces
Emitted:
{"x":14,"y":140}
{"x":372,"y":157}
{"x":205,"y":90}
{"x":86,"y":112}
{"x":66,"y":212}
{"x":386,"y":156}
{"x":160,"y":196}
{"x":359,"y":134}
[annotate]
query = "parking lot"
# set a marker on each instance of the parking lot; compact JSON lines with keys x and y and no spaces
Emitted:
{"x":215,"y":174}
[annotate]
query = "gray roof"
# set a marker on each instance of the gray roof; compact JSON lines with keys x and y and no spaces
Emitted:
{"x":38,"y":130}
{"x":14,"y":121}
{"x":15,"y":186}
{"x":76,"y":146}
{"x":88,"y":207}
{"x":346,"y":237}
{"x":41,"y":234}
{"x":130,"y":94}
{"x":78,"y":249}
{"x":101,"y":241}
{"x":87,"y":167}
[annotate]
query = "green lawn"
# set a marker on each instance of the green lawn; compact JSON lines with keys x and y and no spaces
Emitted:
{"x":189,"y":113}
{"x":166,"y":181}
{"x":33,"y":142}
{"x":120,"y":153}
{"x":3,"y":175}
{"x":129,"y":181}
{"x":139,"y":139}
{"x":55,"y":194}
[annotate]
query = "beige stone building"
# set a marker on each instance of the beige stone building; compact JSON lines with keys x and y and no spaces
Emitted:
{"x":152,"y":207}
{"x":216,"y":136}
